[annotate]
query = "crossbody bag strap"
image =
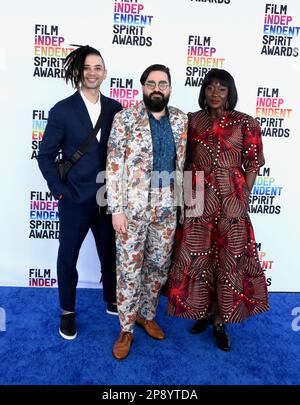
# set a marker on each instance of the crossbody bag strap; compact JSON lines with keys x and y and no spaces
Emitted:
{"x":86,"y":144}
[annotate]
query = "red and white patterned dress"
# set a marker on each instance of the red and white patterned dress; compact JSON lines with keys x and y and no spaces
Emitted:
{"x":215,"y":258}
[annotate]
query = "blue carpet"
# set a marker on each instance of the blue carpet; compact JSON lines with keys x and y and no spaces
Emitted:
{"x":265,"y":349}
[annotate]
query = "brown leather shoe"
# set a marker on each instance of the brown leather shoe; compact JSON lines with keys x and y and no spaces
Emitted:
{"x":122,"y":346}
{"x":150,"y":327}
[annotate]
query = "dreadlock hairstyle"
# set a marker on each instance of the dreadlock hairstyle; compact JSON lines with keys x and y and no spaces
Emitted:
{"x":74,"y":63}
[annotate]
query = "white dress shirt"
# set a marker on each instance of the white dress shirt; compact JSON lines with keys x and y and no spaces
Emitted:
{"x":94,"y":110}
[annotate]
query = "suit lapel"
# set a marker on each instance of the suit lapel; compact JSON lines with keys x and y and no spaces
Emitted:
{"x":176,"y":129}
{"x":143,"y":126}
{"x":82,"y":112}
{"x":104,"y":117}
{"x":142,"y":121}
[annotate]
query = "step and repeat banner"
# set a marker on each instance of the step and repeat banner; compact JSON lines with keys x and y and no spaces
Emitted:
{"x":256,"y":41}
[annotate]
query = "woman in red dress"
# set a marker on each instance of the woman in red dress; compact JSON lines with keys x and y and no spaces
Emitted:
{"x":216,"y":276}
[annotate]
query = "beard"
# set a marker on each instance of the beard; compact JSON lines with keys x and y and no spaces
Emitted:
{"x":156,"y":104}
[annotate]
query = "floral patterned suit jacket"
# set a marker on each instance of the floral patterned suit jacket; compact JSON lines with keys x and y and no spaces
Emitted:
{"x":130,"y":159}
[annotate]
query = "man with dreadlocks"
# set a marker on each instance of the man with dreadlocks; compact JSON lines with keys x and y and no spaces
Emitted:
{"x":69,"y":125}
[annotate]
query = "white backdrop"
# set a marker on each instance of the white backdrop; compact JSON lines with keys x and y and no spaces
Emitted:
{"x":257,"y":41}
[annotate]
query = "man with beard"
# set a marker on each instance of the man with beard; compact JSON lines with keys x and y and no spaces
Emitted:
{"x":146,"y":152}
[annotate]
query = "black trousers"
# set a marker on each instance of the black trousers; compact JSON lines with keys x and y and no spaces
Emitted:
{"x":75,"y":222}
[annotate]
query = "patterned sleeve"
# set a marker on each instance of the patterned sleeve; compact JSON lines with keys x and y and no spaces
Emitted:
{"x":115,"y":165}
{"x":253,"y":157}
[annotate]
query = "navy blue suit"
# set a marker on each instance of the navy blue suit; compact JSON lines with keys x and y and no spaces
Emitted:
{"x":68,"y":126}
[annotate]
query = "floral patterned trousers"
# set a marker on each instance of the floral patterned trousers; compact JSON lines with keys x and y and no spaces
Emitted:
{"x":143,"y":260}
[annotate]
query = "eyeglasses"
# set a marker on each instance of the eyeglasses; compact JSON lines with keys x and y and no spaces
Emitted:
{"x":151,"y":84}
